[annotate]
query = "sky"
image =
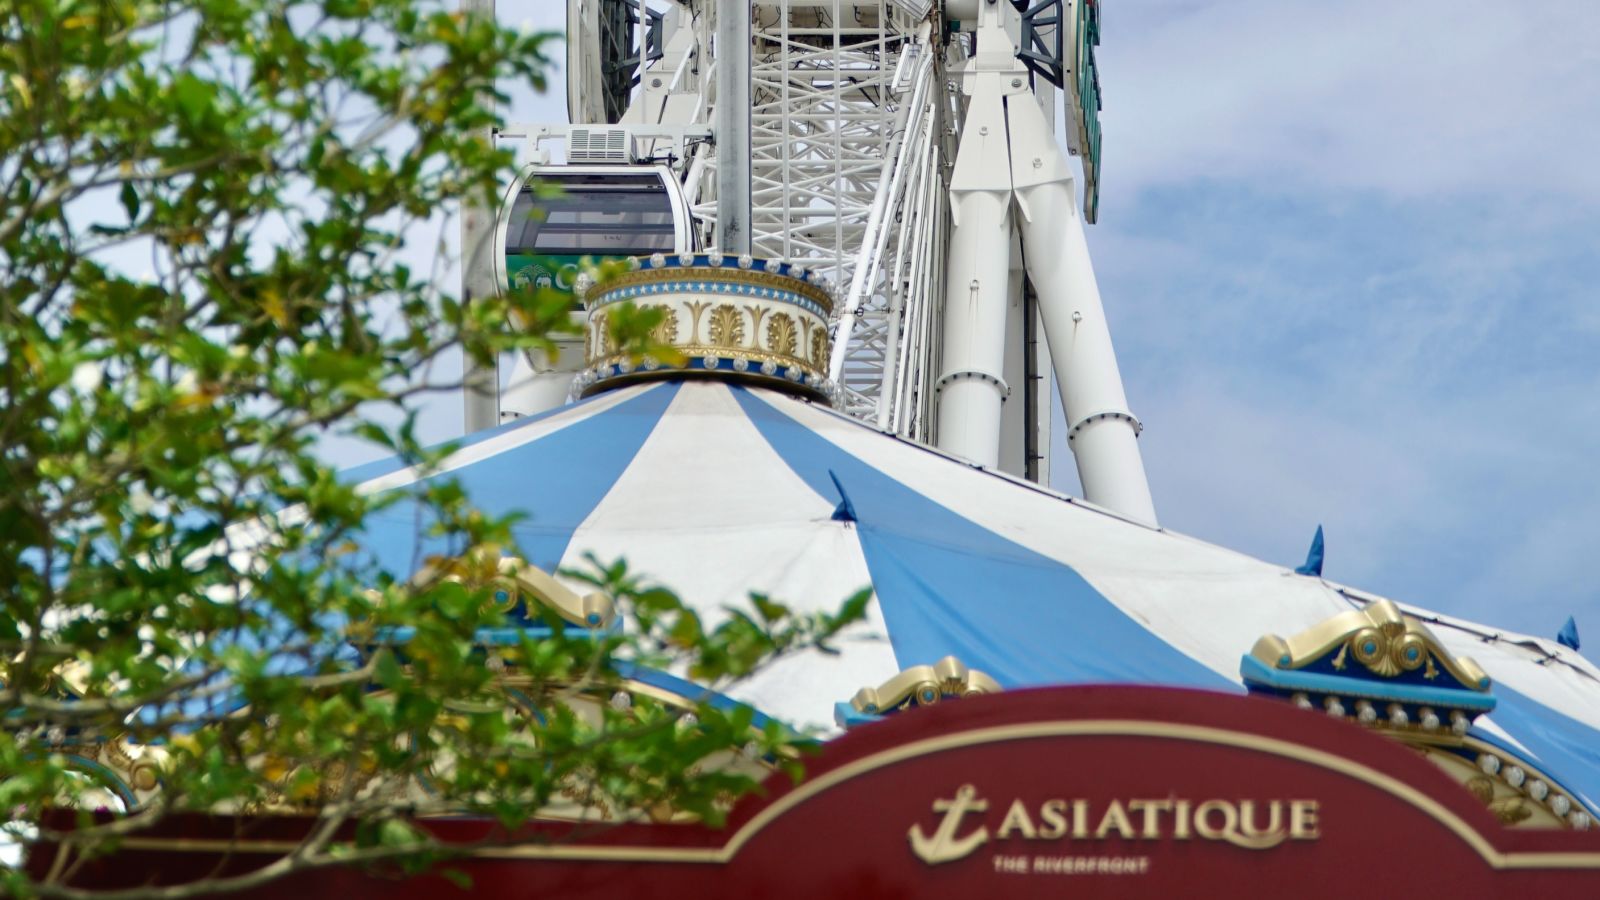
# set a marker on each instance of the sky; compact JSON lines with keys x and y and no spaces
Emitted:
{"x":1348,"y":251}
{"x":1349,"y":255}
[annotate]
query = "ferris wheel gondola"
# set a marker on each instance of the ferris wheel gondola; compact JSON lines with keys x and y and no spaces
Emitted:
{"x":556,"y":216}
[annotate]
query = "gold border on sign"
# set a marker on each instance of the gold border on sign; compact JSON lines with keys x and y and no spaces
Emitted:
{"x":999,"y":734}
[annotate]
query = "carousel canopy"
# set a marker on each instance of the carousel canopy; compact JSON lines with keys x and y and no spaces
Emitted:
{"x":716,"y":490}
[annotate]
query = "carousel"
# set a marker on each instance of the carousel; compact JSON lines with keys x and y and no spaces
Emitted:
{"x":867,"y":250}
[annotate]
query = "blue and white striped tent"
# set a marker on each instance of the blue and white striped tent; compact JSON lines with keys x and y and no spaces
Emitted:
{"x":717,"y":490}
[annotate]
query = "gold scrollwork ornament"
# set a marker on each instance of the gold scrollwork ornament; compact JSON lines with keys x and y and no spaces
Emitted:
{"x":1379,"y":636}
{"x":697,"y":308}
{"x":1409,"y":652}
{"x":726,"y":326}
{"x":1370,"y":648}
{"x":781,"y":336}
{"x":819,"y":348}
{"x":666,"y":332}
{"x":756,"y":313}
{"x":924,"y":686}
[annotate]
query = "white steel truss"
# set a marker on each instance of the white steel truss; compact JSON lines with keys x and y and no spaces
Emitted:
{"x":848,"y":179}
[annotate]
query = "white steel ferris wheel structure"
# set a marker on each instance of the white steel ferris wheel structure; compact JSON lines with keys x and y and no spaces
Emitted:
{"x":906,"y":151}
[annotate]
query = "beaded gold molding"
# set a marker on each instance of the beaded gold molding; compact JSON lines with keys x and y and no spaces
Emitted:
{"x":731,"y":275}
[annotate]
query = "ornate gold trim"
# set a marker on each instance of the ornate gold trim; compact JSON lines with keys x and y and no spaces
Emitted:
{"x":1380,"y":637}
{"x":741,"y":326}
{"x":592,"y":610}
{"x":667,"y":331}
{"x":719,"y":275}
{"x":725,"y":328}
{"x":696,"y":308}
{"x":1531,"y":773}
{"x":1032,"y":730}
{"x":782,"y":336}
{"x":924,"y":686}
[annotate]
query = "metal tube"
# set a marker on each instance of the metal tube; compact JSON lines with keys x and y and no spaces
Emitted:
{"x":916,"y":215}
{"x":971,"y":386}
{"x":1102,"y":432}
{"x":913,"y":417}
{"x":972,"y":389}
{"x":480,"y":385}
{"x":732,"y":126}
{"x":697,"y":171}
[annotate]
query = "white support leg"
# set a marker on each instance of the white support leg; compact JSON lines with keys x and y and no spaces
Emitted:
{"x":1102,"y":432}
{"x":1008,"y":153}
{"x":972,"y":387}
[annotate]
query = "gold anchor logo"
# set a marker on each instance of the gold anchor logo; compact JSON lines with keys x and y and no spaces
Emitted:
{"x":944,"y":846}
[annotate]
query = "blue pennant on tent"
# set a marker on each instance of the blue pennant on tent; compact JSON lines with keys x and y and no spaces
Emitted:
{"x":1313,"y":563}
{"x":1568,"y":635}
{"x":845,"y":511}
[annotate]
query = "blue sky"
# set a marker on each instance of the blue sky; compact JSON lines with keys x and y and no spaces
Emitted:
{"x":1349,"y":255}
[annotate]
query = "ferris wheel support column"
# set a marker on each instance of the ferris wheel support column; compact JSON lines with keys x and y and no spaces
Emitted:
{"x":732,"y":126}
{"x":972,"y":388}
{"x":1101,"y":430}
{"x":1008,"y":153}
{"x":480,"y":384}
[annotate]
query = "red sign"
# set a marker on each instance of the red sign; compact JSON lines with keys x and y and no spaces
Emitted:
{"x":1089,"y":791}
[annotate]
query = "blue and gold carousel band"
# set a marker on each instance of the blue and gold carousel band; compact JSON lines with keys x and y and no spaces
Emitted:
{"x":761,"y":321}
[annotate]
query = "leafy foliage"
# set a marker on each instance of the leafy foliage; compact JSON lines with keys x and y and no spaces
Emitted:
{"x":206,"y":208}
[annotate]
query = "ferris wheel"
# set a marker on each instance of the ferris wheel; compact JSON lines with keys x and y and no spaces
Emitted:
{"x":903,"y":150}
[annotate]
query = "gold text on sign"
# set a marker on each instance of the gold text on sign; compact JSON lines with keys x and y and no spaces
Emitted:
{"x":1248,"y":823}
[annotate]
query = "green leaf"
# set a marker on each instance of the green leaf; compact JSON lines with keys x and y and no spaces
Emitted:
{"x":194,"y":97}
{"x":130,"y":200}
{"x":854,"y":609}
{"x":770,"y":612}
{"x":387,"y":671}
{"x":399,"y":833}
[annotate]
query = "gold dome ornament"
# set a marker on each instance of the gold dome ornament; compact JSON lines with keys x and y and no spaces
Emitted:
{"x":762,"y":322}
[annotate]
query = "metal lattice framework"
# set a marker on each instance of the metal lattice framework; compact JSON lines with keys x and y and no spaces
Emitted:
{"x":847,"y":180}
